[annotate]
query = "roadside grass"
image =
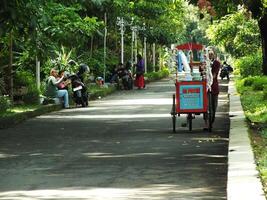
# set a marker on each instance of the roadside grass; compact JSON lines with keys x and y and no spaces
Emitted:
{"x":254,"y":104}
{"x":14,"y":110}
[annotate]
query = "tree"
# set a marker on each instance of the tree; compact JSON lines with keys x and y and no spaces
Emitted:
{"x":236,"y":34}
{"x":16,"y":18}
{"x":258,"y":9}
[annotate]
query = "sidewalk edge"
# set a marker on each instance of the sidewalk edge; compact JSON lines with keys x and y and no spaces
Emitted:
{"x":243,"y":178}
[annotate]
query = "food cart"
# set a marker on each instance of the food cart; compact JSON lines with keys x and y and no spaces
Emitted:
{"x":191,"y":96}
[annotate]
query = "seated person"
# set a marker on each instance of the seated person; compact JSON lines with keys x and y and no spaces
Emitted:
{"x":52,"y":88}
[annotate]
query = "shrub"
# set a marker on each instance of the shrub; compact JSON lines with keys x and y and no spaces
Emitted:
{"x":259,"y":83}
{"x":32,"y":96}
{"x":249,"y":65}
{"x":249,"y":80}
{"x":165,"y":72}
{"x":24,"y":78}
{"x":5,"y":103}
{"x":265,"y":92}
{"x":157,"y":75}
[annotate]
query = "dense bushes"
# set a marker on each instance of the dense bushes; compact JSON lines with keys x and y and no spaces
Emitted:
{"x":27,"y":80}
{"x":249,"y":65}
{"x":254,"y":97}
{"x":157,"y":75}
{"x":265,"y":92}
{"x":32,"y":96}
{"x":256,"y":82}
{"x":4,"y":103}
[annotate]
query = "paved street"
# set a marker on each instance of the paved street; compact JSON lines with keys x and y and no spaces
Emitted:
{"x":121,"y":147}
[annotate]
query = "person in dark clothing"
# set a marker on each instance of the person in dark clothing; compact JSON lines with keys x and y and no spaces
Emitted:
{"x":226,"y":70}
{"x":140,"y":70}
{"x":214,"y":92}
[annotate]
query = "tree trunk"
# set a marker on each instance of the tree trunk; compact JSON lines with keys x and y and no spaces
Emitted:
{"x":263,"y":30}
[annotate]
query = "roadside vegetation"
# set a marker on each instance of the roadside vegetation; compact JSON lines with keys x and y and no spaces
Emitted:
{"x":253,"y":91}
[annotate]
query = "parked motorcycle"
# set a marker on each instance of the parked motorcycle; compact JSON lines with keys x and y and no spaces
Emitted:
{"x":125,"y":77}
{"x":80,"y":94}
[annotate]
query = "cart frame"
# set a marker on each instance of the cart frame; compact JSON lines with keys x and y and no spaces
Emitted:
{"x":191,"y":98}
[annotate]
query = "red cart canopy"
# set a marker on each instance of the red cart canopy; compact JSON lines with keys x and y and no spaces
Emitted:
{"x":189,"y":46}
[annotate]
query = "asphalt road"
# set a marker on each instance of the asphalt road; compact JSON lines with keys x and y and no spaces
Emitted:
{"x":120,"y":147}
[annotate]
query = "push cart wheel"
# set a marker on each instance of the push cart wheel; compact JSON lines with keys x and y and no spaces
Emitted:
{"x":173,"y":113}
{"x":209,"y":112}
{"x":189,"y":119}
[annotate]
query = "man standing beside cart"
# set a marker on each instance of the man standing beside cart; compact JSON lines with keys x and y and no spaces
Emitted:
{"x":214,"y":90}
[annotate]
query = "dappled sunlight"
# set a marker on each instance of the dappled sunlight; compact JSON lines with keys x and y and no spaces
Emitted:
{"x":106,"y":116}
{"x":149,"y":192}
{"x":4,"y":155}
{"x":122,"y":102}
{"x":210,"y":139}
{"x":205,"y":155}
{"x":110,"y":155}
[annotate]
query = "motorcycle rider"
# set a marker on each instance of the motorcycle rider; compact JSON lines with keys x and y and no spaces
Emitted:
{"x":225,"y":71}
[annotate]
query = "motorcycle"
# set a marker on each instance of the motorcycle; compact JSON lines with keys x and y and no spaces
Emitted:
{"x":224,"y":73}
{"x":125,"y":77}
{"x":80,"y":94}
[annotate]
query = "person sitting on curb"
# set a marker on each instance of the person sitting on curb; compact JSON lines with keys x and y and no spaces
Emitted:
{"x":52,"y":90}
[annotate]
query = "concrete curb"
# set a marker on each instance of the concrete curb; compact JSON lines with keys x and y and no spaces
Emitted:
{"x":243,"y":179}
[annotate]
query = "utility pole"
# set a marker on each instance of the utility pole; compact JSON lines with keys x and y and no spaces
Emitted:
{"x":134,"y":46}
{"x":154,"y":56}
{"x":145,"y":57}
{"x":120,"y":22}
{"x":37,"y":71}
{"x":105,"y":46}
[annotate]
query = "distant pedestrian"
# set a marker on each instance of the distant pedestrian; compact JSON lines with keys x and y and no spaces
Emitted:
{"x":140,"y":70}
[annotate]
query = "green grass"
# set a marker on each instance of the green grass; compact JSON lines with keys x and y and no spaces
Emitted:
{"x":259,"y":144}
{"x":254,"y":104}
{"x":96,"y":91}
{"x":19,"y":109}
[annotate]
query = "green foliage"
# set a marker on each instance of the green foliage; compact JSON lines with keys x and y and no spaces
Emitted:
{"x":98,"y":92}
{"x":24,"y":78}
{"x":152,"y":76}
{"x":249,"y":65}
{"x":248,"y":81}
{"x":236,"y":33}
{"x":2,"y":84}
{"x":96,"y":61}
{"x":254,"y":101}
{"x":65,"y":26}
{"x":265,"y":92}
{"x":259,"y":83}
{"x":5,"y":103}
{"x":32,"y":96}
